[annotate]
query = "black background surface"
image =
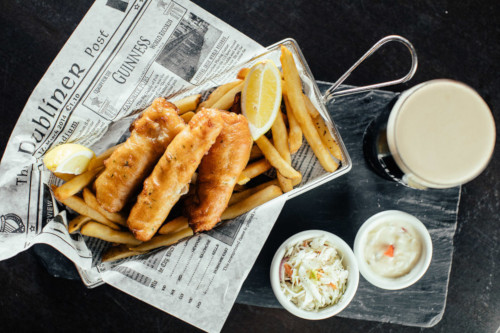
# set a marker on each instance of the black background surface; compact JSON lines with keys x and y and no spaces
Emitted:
{"x":454,"y":39}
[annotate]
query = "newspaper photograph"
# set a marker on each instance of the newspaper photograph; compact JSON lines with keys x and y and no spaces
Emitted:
{"x":122,"y":56}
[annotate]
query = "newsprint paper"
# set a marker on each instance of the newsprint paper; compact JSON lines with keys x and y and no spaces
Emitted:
{"x":122,"y":56}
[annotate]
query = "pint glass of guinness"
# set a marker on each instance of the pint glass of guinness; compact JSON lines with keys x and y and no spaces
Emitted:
{"x":438,"y":134}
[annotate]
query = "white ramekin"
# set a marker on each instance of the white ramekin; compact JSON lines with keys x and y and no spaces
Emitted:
{"x":349,"y":261}
{"x":420,"y":268}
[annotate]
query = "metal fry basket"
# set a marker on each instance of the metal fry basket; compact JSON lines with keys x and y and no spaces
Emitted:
{"x":304,"y":160}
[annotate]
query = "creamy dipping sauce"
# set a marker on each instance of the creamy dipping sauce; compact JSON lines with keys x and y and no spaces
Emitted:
{"x":392,"y":249}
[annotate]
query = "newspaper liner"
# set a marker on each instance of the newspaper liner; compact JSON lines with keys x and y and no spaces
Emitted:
{"x":122,"y":56}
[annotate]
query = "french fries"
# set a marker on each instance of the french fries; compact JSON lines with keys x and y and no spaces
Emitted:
{"x":101,"y":231}
{"x":217,"y":94}
{"x":253,"y":170}
{"x":76,"y":223}
{"x":189,"y":103}
{"x":163,"y":240}
{"x":283,"y":87}
{"x":255,"y":153}
{"x":75,"y":185}
{"x":295,"y":135}
{"x":275,"y":158}
{"x":187,"y":116}
{"x":251,"y":202}
{"x":175,"y":225}
{"x":91,"y":201}
{"x":64,"y":176}
{"x":119,"y":252}
{"x":295,"y":96}
{"x":327,"y":138}
{"x":79,"y":206}
{"x":98,"y":161}
{"x":238,"y":196}
{"x":313,"y":112}
{"x":280,"y":139}
{"x":226,"y":101}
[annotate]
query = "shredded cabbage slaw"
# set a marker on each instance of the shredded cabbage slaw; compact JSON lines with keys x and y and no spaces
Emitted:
{"x":312,"y":274}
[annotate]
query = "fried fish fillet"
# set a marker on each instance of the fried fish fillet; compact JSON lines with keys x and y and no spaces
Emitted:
{"x":219,"y":171}
{"x":163,"y":188}
{"x":132,"y":162}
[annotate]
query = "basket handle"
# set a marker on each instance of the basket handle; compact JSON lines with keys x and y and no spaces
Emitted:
{"x":331,"y":93}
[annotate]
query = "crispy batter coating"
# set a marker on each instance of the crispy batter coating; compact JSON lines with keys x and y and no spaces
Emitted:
{"x":219,"y":171}
{"x":131,"y":163}
{"x":163,"y":188}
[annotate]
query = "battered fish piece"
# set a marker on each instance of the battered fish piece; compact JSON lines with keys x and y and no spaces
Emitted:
{"x":219,"y":171}
{"x":163,"y":188}
{"x":132,"y":162}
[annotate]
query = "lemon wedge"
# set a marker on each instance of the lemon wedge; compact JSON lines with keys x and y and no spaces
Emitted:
{"x":68,"y":158}
{"x":261,"y":97}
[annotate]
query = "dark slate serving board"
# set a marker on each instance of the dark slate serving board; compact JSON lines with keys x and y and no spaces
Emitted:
{"x":343,"y":204}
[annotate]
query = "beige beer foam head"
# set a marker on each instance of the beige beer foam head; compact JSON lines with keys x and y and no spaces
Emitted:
{"x":441,"y":133}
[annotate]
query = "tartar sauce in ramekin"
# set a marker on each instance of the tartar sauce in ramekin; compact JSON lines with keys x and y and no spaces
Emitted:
{"x":392,"y":249}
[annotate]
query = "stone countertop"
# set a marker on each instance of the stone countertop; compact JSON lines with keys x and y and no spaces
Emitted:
{"x":457,"y":40}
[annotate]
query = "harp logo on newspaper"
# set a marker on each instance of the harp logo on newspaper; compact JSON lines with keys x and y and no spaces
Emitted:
{"x":49,"y":109}
{"x":11,"y":223}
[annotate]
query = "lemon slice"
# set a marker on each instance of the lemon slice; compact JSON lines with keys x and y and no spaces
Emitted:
{"x":261,"y":97}
{"x":68,"y":158}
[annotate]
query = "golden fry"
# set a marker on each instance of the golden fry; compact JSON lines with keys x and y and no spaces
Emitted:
{"x":101,"y":231}
{"x":175,"y":225}
{"x":119,"y":252}
{"x":163,"y":240}
{"x":298,"y":180}
{"x":255,"y":153}
{"x":64,"y":176}
{"x":76,"y":184}
{"x":313,"y":112}
{"x":251,"y":202}
{"x":295,"y":134}
{"x":275,"y":158}
{"x":238,"y":196}
{"x":98,"y":161}
{"x":91,"y":201}
{"x":284,"y":183}
{"x":226,"y":101}
{"x":217,"y":94}
{"x":327,"y":138}
{"x":280,"y":140}
{"x":242,"y":74}
{"x":189,"y":103}
{"x":79,"y":206}
{"x":296,"y":99}
{"x":76,"y":223}
{"x":253,"y":170}
{"x":187,"y":116}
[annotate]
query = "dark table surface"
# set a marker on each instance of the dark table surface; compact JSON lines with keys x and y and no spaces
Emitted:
{"x":454,"y":39}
